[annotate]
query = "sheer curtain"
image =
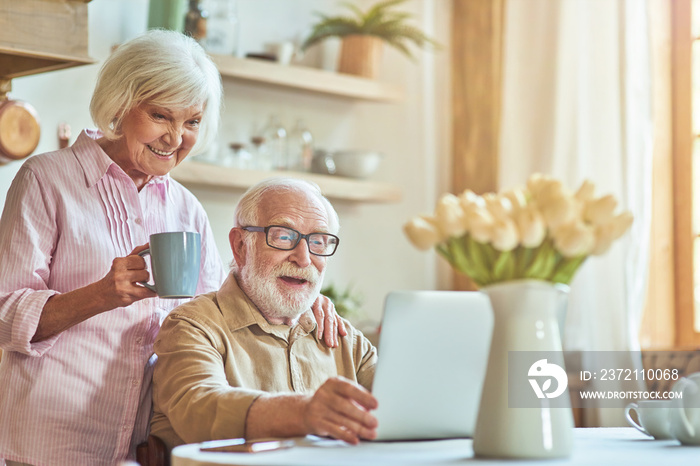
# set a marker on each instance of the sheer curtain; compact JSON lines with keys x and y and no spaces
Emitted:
{"x":577,"y":105}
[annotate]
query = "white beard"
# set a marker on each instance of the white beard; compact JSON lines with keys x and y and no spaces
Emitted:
{"x":260,"y":284}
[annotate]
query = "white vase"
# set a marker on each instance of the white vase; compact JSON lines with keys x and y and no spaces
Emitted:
{"x":525,"y":328}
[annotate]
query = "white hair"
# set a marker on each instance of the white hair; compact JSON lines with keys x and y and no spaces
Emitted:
{"x":160,"y":67}
{"x":247,"y":213}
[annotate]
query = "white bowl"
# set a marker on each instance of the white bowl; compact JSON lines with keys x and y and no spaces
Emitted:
{"x":356,"y":163}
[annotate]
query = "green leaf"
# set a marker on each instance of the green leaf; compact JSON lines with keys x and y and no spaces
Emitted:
{"x":380,"y":8}
{"x":544,"y":262}
{"x":483,"y":256}
{"x":566,"y":269}
{"x":523,"y":259}
{"x":411,"y":33}
{"x":347,"y":302}
{"x":455,"y":251}
{"x":488,"y":252}
{"x":331,"y":27}
{"x":459,"y":256}
{"x":504,"y":267}
{"x":442,"y":250}
{"x":379,"y":21}
{"x":400,"y":46}
{"x":355,"y":9}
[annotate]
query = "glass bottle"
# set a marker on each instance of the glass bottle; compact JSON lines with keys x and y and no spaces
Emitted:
{"x":196,"y":21}
{"x":222,"y":27}
{"x":240,"y":157}
{"x":260,"y":156}
{"x":276,"y":140}
{"x":301,"y":148}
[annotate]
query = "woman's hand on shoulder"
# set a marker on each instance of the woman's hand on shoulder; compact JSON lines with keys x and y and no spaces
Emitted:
{"x":329,"y":323}
{"x":120,"y":286}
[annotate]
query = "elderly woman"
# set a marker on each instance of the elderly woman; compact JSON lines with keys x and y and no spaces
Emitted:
{"x":77,"y":329}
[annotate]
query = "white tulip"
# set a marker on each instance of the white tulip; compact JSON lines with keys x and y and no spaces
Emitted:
{"x":558,"y":211}
{"x":422,"y":232}
{"x":504,"y":234}
{"x":600,"y":211}
{"x":606,"y":234}
{"x":449,"y":216}
{"x":621,"y":223}
{"x":574,"y":239}
{"x":468,"y":198}
{"x":603,"y":239}
{"x":478,"y":221}
{"x":535,"y":183}
{"x":585,"y":192}
{"x":550,"y":190}
{"x":497,"y":206}
{"x":544,"y":187}
{"x":517,"y":198}
{"x":530,"y":226}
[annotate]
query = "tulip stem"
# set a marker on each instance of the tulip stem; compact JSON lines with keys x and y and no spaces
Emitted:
{"x":484,"y":264}
{"x":566,"y":269}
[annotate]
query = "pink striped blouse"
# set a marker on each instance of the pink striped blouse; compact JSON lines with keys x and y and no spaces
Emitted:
{"x":83,"y":396}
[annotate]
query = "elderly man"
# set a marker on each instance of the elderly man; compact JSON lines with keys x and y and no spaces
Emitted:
{"x":247,"y":360}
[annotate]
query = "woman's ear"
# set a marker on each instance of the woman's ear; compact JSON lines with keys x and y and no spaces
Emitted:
{"x":238,"y":247}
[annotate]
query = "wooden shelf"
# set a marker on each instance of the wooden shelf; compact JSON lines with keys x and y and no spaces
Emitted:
{"x":42,"y":35}
{"x":308,"y":79}
{"x":194,"y":173}
{"x":15,"y":63}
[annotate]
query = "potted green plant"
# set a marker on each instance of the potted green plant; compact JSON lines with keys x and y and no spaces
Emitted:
{"x":363,"y":34}
{"x":347,"y":302}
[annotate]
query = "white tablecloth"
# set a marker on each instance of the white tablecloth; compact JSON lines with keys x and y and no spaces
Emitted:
{"x":592,"y":446}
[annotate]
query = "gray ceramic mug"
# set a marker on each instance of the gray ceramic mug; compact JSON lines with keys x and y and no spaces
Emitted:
{"x":175,"y":259}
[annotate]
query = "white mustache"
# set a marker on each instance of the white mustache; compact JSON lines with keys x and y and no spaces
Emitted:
{"x":309,"y":274}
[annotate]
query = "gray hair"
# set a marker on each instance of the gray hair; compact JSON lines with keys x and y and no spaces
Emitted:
{"x":246,"y":213}
{"x":165,"y":68}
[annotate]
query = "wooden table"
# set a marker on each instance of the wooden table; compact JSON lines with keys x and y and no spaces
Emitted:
{"x":592,"y":446}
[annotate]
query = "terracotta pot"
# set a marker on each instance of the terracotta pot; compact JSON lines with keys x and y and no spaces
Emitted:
{"x":361,"y":55}
{"x":19,"y":130}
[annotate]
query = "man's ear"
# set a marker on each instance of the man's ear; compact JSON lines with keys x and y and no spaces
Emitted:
{"x":235,"y":239}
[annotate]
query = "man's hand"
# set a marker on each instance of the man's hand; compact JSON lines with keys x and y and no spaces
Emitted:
{"x":341,"y":409}
{"x":329,"y":323}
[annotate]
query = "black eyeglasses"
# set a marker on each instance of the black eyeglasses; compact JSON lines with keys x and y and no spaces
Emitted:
{"x":286,"y":239}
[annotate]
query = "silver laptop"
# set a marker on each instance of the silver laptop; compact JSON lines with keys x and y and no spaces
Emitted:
{"x":433,"y":349}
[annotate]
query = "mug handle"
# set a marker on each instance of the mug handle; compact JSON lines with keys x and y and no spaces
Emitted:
{"x":145,"y":284}
{"x":678,"y":416}
{"x":635,"y":407}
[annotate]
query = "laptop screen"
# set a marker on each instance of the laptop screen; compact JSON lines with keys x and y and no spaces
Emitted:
{"x":433,"y":351}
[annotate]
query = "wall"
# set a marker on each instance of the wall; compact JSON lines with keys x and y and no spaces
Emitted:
{"x":414,"y":135}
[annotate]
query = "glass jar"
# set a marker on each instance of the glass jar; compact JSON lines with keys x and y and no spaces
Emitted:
{"x":301,"y":148}
{"x":260,"y":155}
{"x":222,"y":27}
{"x":240,"y":157}
{"x":276,"y":140}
